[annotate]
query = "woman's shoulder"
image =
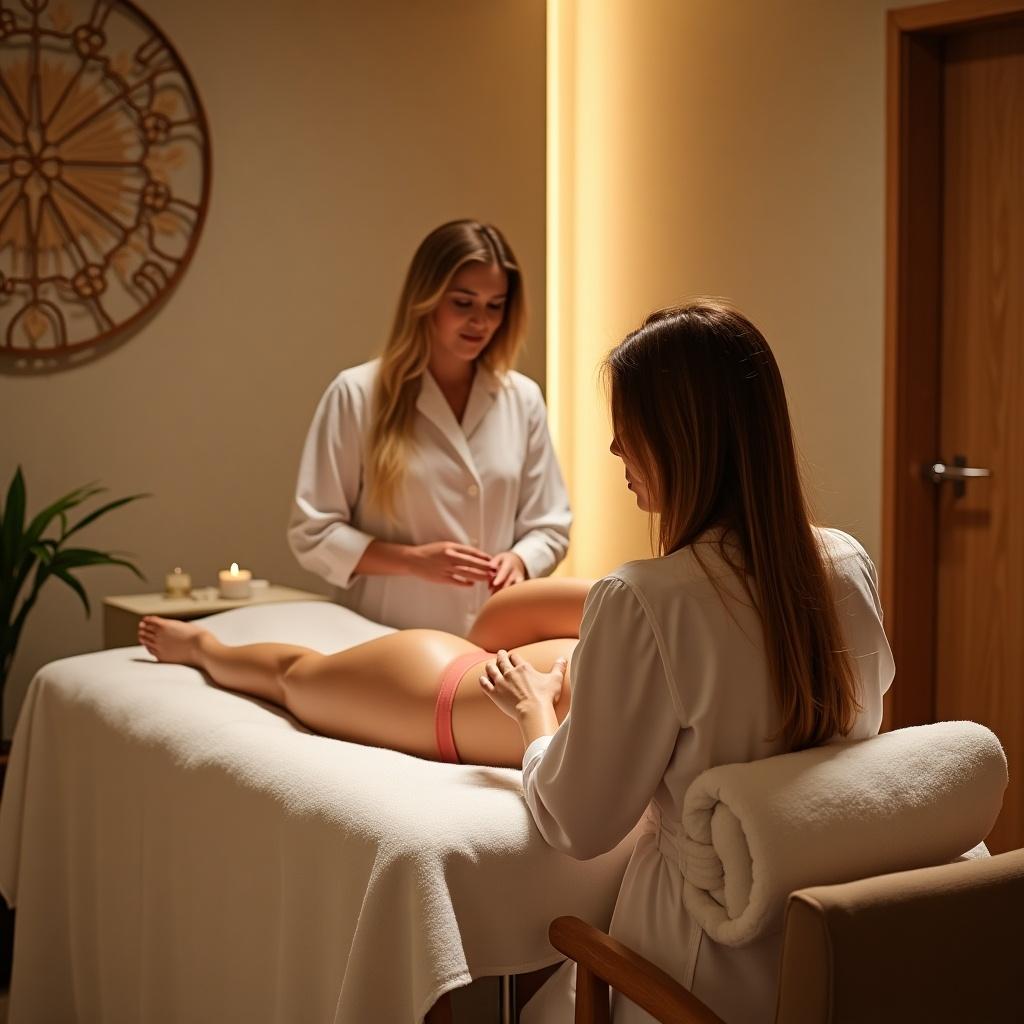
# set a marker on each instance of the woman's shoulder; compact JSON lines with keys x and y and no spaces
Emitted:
{"x":357,"y":379}
{"x":350,"y":393}
{"x":618,"y":597}
{"x":847,"y":555}
{"x":676,"y":577}
{"x":838,"y":543}
{"x":853,"y":575}
{"x":705,"y":566}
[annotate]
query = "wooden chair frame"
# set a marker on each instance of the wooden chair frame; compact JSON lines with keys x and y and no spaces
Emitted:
{"x":603,"y":961}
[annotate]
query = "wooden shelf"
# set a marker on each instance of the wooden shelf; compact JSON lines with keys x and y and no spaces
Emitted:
{"x":121,"y":614}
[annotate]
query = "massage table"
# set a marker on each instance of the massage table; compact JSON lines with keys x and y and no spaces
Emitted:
{"x":178,"y":852}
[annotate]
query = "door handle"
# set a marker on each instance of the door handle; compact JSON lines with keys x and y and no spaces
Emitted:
{"x":957,"y":473}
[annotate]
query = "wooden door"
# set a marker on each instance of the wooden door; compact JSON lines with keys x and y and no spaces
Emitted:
{"x":979,"y":643}
{"x":953,"y":556}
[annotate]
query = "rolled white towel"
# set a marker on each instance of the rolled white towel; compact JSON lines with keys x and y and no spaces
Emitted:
{"x":905,"y":799}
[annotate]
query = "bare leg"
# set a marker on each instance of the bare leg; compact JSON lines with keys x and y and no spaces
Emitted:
{"x":543,"y":609}
{"x":380,"y":693}
{"x":256,"y":669}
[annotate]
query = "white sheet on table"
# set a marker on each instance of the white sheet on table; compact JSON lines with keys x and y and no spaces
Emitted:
{"x":178,"y":852}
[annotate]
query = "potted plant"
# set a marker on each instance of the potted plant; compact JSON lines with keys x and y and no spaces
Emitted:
{"x":32,"y":554}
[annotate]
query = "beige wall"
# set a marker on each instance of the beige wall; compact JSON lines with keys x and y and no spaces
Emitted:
{"x":733,"y":148}
{"x":342,"y":132}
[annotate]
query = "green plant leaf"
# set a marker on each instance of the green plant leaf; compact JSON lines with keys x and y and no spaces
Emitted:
{"x":77,"y":587}
{"x":26,"y":554}
{"x":128,"y":565}
{"x":44,"y":550}
{"x":77,"y":558}
{"x":13,"y":523}
{"x":44,"y":518}
{"x":102,"y":510}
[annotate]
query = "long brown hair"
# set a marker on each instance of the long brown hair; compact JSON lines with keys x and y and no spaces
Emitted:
{"x":699,"y":405}
{"x":407,"y":352}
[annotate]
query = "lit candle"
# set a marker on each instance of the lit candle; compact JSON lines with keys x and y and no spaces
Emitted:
{"x":235,"y":583}
{"x":177,"y":583}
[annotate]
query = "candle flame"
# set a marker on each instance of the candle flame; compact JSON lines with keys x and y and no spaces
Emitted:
{"x":234,"y":568}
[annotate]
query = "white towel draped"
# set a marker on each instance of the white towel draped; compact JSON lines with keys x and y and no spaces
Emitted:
{"x":178,"y":852}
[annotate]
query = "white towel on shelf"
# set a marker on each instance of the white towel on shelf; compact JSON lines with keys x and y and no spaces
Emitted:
{"x":756,"y":832}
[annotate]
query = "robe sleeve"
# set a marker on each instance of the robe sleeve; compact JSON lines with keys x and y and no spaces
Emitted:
{"x":589,"y":784}
{"x":543,"y":516}
{"x":859,"y":611}
{"x":320,"y":531}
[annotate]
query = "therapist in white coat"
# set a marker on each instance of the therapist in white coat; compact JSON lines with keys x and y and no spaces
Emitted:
{"x":428,"y":479}
{"x":753,"y":633}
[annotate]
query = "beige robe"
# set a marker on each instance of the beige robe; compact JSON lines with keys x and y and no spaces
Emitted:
{"x":491,"y":481}
{"x":668,"y":680}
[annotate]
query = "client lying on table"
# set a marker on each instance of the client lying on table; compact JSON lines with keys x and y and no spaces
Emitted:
{"x":416,"y":690}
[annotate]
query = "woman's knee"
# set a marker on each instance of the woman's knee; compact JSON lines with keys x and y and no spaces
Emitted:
{"x":483,"y":632}
{"x":533,"y":610}
{"x":299,"y":670}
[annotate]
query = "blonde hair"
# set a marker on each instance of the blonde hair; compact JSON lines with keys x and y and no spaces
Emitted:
{"x":407,"y":352}
{"x":698,"y":402}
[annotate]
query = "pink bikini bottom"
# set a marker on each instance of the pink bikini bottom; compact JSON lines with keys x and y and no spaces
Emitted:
{"x":450,"y":679}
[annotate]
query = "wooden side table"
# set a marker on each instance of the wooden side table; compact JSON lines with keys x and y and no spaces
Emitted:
{"x":121,"y":615}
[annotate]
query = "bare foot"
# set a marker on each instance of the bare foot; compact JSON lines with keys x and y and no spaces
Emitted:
{"x":170,"y":640}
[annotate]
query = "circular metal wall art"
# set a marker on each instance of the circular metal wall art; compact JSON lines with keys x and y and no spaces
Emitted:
{"x":104,"y":172}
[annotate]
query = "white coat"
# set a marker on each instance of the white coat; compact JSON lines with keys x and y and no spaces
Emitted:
{"x":492,"y":482}
{"x":668,"y":681}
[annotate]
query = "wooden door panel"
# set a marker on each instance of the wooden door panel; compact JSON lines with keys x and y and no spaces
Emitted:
{"x":979,"y":664}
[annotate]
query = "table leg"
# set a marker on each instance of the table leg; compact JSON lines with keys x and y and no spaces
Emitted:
{"x":441,"y":1011}
{"x":119,"y":627}
{"x":507,"y":999}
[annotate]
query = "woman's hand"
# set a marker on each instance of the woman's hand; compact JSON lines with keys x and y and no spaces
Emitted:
{"x":446,"y":561}
{"x":508,"y":570}
{"x":524,"y":694}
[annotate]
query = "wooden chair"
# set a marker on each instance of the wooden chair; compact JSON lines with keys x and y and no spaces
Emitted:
{"x":940,"y":944}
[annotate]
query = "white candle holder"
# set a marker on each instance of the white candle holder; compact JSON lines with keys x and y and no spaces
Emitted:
{"x":234,"y":584}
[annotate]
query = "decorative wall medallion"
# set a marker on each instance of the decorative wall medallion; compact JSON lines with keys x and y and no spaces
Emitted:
{"x":104,"y":171}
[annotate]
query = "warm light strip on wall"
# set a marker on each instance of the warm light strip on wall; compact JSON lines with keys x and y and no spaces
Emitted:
{"x":553,"y":237}
{"x":559,"y":235}
{"x":590,"y":287}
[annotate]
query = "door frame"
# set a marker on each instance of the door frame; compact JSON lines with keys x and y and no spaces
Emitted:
{"x":913,"y":333}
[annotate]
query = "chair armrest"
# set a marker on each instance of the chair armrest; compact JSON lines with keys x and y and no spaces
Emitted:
{"x":603,"y":961}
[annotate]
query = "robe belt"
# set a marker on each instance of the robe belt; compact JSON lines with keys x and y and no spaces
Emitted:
{"x":699,"y":866}
{"x":697,"y":862}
